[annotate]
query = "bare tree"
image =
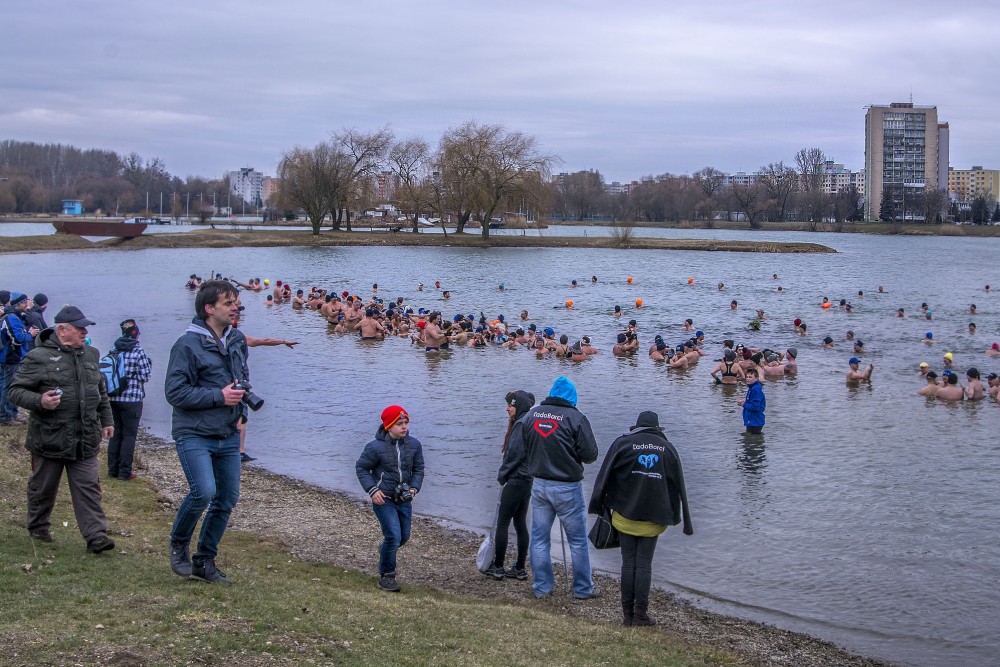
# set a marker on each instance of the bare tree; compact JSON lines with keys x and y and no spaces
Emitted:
{"x":935,"y":200}
{"x":781,"y":183}
{"x":365,"y":153}
{"x":409,"y":161}
{"x":483,"y":165}
{"x":751,"y":200}
{"x":810,"y":162}
{"x":312,"y":178}
{"x":583,"y":193}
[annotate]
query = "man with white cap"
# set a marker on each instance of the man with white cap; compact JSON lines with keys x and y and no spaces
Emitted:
{"x":61,"y":384}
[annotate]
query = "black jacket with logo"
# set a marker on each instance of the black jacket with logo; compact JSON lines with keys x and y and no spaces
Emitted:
{"x":641,"y":479}
{"x":556,"y":439}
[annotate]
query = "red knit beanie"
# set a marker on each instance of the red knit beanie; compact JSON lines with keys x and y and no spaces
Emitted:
{"x":392,"y":414}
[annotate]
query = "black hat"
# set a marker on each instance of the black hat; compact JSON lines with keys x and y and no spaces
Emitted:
{"x":40,"y":299}
{"x":130,"y":328}
{"x":4,"y":296}
{"x":647,"y":419}
{"x":73,"y":315}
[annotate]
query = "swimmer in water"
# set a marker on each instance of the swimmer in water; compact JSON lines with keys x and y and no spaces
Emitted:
{"x":881,"y":290}
{"x":689,"y":324}
{"x":618,"y":311}
{"x":593,"y":279}
{"x":573,"y":284}
{"x":587,"y":347}
{"x":972,"y":309}
{"x":901,"y":313}
{"x":828,"y":343}
{"x":779,"y":289}
{"x":950,"y":391}
{"x":994,"y":350}
{"x":721,"y":286}
{"x":993,"y":380}
{"x":973,"y":387}
{"x":733,"y":305}
{"x":576,"y":352}
{"x":931,"y":388}
{"x":731,"y":371}
{"x":928,"y":338}
{"x":774,"y":276}
{"x":972,"y":327}
{"x":855,"y":376}
{"x":791,"y":361}
{"x":861,"y":294}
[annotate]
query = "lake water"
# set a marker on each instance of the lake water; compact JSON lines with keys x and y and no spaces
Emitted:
{"x":867,"y":516}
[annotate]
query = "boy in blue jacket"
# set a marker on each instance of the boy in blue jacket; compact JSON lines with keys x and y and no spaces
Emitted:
{"x":391,"y":471}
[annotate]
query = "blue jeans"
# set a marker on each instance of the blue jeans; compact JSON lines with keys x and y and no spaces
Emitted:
{"x":565,"y":500}
{"x":212,"y":468}
{"x":7,"y":409}
{"x":395,"y":521}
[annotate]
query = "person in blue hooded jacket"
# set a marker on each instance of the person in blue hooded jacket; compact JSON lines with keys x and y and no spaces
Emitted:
{"x":558,"y":440}
{"x":753,"y":403}
{"x":391,"y":471}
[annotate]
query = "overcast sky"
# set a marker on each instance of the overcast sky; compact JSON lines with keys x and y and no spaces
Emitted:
{"x":628,"y":88}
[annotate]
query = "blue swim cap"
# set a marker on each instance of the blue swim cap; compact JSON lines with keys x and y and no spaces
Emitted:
{"x":699,"y":334}
{"x":532,"y":326}
{"x":500,"y":317}
{"x":854,"y":360}
{"x":928,"y":335}
{"x":457,"y":318}
{"x":549,"y":331}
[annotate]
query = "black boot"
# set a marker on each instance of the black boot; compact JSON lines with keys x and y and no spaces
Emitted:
{"x":628,"y":613}
{"x":641,"y":617}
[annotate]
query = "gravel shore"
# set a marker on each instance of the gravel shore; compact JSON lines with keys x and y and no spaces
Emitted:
{"x":326,"y":526}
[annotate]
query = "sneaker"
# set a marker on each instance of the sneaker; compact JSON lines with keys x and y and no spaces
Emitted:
{"x":41,"y":536}
{"x":518,"y":573}
{"x":246,"y":458}
{"x":180,"y":559}
{"x":388,"y":583}
{"x":592,"y":595}
{"x":495,"y":571}
{"x":208,"y":572}
{"x":99,"y":544}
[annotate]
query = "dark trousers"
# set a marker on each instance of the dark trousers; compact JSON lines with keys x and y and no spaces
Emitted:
{"x":121,"y":447}
{"x":637,"y":568}
{"x":84,"y":488}
{"x":515,"y":499}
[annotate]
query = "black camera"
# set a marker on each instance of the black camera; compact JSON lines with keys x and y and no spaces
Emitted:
{"x":403,"y":493}
{"x":252,"y":400}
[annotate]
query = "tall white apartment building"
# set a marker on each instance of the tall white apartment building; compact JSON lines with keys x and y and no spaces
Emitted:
{"x":248,"y":184}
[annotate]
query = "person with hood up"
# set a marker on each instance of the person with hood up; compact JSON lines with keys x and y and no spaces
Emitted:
{"x":516,"y":493}
{"x":126,"y":407}
{"x":558,"y":440}
{"x":391,"y":471}
{"x":642,"y":483}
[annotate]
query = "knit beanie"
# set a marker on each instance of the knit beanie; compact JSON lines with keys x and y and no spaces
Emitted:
{"x":129,"y":328}
{"x":40,"y":299}
{"x":392,"y":414}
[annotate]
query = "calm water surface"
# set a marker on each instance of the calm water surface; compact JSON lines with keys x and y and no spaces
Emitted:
{"x":866,"y":516}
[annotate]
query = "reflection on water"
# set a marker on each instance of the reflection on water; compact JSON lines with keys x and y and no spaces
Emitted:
{"x":867,"y":516}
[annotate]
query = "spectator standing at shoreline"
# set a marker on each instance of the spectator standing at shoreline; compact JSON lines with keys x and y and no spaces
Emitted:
{"x":15,"y":341}
{"x":61,"y":385}
{"x":207,"y":364}
{"x":391,"y":471}
{"x":642,"y":482}
{"x":515,"y":497}
{"x":126,"y":407}
{"x":559,"y":441}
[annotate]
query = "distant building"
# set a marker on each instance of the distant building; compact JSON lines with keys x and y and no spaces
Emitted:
{"x":906,"y":154}
{"x":742,"y":178}
{"x":269,"y":189}
{"x":965,"y":184}
{"x":248,"y":184}
{"x":837,"y":177}
{"x":72,"y":207}
{"x":386,"y":183}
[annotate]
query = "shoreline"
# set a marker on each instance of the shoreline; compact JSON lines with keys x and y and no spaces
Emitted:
{"x":322,"y":525}
{"x":269,"y":239}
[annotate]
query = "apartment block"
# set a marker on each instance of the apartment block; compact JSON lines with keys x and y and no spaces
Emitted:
{"x":906,"y":154}
{"x":248,"y":184}
{"x":965,"y":184}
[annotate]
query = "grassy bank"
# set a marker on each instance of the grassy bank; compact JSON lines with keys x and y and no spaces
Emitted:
{"x":64,"y":606}
{"x":269,"y":238}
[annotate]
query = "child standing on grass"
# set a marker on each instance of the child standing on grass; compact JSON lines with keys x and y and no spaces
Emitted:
{"x":391,"y":471}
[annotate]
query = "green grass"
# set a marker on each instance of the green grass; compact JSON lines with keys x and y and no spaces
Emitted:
{"x":63,"y":606}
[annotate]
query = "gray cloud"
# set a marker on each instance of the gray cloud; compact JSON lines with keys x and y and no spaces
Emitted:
{"x":633,"y":88}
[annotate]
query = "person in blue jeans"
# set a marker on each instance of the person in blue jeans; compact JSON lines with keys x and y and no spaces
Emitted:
{"x":558,"y":440}
{"x":207,"y":364}
{"x":391,"y":471}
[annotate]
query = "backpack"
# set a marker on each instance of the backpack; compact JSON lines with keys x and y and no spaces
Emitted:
{"x":112,"y":366}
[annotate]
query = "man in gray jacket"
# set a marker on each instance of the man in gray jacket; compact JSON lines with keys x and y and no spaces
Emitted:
{"x":558,"y":441}
{"x":207,"y":365}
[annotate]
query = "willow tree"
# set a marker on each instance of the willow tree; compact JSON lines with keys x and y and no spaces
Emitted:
{"x":482,"y":166}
